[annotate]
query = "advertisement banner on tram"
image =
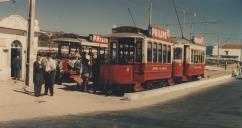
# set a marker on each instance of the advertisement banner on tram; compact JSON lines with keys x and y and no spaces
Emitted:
{"x":199,"y":40}
{"x":98,"y":39}
{"x":159,"y":33}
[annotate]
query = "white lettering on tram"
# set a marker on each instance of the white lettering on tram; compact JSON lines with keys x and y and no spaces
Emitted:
{"x":159,"y":68}
{"x":159,"y":33}
{"x":99,"y":39}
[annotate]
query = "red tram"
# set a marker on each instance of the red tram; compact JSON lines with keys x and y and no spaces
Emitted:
{"x":138,"y":58}
{"x":188,"y":59}
{"x":143,"y":59}
{"x":72,"y":46}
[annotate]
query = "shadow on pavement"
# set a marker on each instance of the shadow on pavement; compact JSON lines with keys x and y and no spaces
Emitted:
{"x":71,"y":88}
{"x":25,"y":92}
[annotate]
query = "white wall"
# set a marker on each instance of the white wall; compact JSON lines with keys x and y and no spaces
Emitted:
{"x":6,"y":40}
{"x":232,"y":52}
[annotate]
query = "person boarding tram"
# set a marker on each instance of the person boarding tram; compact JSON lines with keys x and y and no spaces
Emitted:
{"x":85,"y":74}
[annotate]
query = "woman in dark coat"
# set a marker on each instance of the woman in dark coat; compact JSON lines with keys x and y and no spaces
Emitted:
{"x":38,"y":75}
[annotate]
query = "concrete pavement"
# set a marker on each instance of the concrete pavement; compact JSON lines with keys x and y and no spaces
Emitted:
{"x":215,"y":107}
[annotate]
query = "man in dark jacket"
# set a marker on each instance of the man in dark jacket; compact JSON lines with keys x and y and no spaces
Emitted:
{"x":96,"y":73}
{"x":16,"y":67}
{"x":38,"y":76}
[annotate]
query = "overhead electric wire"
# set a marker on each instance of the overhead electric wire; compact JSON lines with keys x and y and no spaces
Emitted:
{"x":178,"y":18}
{"x":130,"y":13}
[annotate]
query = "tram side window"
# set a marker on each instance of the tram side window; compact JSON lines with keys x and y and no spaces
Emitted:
{"x":149,"y":52}
{"x":199,"y":57}
{"x":164,"y":54}
{"x":178,"y":53}
{"x":139,"y":51}
{"x":203,"y":57}
{"x":160,"y":53}
{"x":155,"y":52}
{"x":131,"y":53}
{"x":169,"y":54}
{"x":196,"y":56}
{"x":113,"y":52}
{"x":192,"y":54}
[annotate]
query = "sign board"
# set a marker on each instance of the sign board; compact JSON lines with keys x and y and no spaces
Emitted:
{"x":98,"y":39}
{"x":159,"y":33}
{"x":199,"y":40}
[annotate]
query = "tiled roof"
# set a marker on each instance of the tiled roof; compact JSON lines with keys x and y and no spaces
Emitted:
{"x":230,"y":46}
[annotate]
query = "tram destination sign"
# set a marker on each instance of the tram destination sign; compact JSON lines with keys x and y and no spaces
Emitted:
{"x":199,"y":40}
{"x":98,"y":39}
{"x":159,"y":33}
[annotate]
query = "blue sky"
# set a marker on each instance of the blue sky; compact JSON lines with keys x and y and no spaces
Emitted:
{"x":98,"y":16}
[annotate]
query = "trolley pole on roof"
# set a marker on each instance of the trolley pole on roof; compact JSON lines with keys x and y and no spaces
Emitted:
{"x":150,"y":12}
{"x":30,"y":38}
{"x":174,"y":4}
{"x":130,"y":13}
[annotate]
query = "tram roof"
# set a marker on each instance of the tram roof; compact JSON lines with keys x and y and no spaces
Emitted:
{"x":66,"y":40}
{"x":179,"y":40}
{"x":128,"y":28}
{"x":128,"y":35}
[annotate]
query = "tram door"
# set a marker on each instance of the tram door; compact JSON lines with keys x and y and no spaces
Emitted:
{"x":186,"y":58}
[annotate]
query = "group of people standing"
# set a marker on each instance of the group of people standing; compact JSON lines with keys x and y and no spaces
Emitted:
{"x":44,"y":71}
{"x":82,"y":66}
{"x":49,"y":71}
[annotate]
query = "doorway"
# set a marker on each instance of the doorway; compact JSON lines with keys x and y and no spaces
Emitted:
{"x":16,"y":50}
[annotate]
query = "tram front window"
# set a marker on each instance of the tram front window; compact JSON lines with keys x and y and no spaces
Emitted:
{"x":126,"y":50}
{"x":177,"y":53}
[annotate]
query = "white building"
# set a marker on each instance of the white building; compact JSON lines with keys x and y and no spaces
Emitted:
{"x":13,"y":41}
{"x":228,"y":51}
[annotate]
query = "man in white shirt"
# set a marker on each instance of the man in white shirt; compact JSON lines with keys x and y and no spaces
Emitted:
{"x":50,"y":69}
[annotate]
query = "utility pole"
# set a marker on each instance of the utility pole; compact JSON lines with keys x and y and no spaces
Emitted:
{"x":241,"y":50}
{"x":218,"y":57}
{"x":30,"y":39}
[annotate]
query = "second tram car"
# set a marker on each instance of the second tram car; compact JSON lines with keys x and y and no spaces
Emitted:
{"x":189,"y":59}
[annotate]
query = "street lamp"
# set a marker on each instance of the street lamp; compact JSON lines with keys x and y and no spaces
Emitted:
{"x":3,"y":1}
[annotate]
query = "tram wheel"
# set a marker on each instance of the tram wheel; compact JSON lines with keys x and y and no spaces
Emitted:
{"x":164,"y":83}
{"x":118,"y":90}
{"x":148,"y":85}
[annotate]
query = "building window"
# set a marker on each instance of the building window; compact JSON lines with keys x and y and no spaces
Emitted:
{"x":226,"y":53}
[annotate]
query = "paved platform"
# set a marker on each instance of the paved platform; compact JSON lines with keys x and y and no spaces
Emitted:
{"x":18,"y":104}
